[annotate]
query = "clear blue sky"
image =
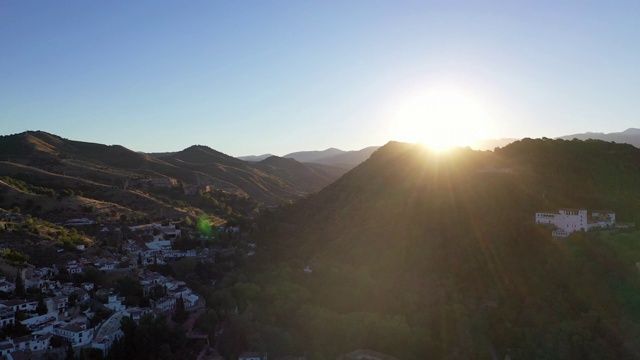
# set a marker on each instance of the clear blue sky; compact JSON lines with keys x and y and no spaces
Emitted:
{"x":253,"y":77}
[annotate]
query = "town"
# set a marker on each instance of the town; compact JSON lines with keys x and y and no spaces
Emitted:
{"x":77,"y":304}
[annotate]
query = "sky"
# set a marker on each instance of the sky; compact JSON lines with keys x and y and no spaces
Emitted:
{"x":255,"y":77}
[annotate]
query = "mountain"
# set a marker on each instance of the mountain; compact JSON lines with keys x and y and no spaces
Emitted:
{"x":314,"y":156}
{"x":490,"y":144}
{"x":629,"y":136}
{"x":255,"y":157}
{"x":334,"y":157}
{"x":423,"y":255}
{"x":115,"y":174}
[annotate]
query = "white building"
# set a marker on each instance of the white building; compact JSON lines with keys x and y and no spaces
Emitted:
{"x":7,"y":316}
{"x":569,"y":220}
{"x":38,"y":320}
{"x":602,"y":219}
{"x":108,"y":333}
{"x":115,"y":303}
{"x":74,"y":267}
{"x":159,"y":244}
{"x":77,"y":333}
{"x":18,"y":304}
{"x":7,"y":286}
{"x":25,"y":343}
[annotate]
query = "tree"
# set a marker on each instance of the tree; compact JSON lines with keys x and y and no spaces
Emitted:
{"x":20,"y":291}
{"x":70,"y":353}
{"x":140,"y":259}
{"x":180,"y":315}
{"x":185,"y":267}
{"x":42,"y":307}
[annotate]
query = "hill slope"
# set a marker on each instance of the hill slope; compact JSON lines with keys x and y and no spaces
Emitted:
{"x":419,"y":255}
{"x":116,"y":174}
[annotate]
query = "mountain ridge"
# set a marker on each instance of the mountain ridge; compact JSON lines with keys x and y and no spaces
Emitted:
{"x":42,"y":157}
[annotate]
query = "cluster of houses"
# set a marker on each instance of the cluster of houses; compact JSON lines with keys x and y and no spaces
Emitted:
{"x":70,"y":323}
{"x":567,"y":221}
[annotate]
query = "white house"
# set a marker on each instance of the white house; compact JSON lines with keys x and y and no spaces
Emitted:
{"x":38,"y":322}
{"x":569,"y":220}
{"x":7,"y":316}
{"x":27,"y":342}
{"x":7,"y":286}
{"x":77,"y":333}
{"x":57,"y":304}
{"x":165,"y":304}
{"x":17,"y":304}
{"x":159,"y":244}
{"x":602,"y":219}
{"x":114,"y":303}
{"x":74,"y":267}
{"x":137,"y":313}
{"x":106,"y":264}
{"x":108,"y":333}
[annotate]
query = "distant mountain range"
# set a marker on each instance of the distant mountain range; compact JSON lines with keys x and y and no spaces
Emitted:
{"x":255,"y":157}
{"x":332,"y":157}
{"x":629,"y":136}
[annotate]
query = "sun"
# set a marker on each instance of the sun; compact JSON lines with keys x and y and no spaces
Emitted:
{"x":442,"y":117}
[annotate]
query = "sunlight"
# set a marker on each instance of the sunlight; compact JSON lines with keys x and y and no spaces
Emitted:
{"x":441,"y":118}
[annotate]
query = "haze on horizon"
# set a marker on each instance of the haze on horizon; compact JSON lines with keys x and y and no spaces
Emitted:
{"x":278,"y":77}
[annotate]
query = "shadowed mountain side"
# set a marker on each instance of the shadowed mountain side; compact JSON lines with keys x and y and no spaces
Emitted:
{"x":314,"y":175}
{"x":419,"y":255}
{"x":263,"y":180}
{"x":630,"y":136}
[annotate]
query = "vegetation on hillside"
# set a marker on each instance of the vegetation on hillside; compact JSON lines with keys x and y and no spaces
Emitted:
{"x":422,"y":255}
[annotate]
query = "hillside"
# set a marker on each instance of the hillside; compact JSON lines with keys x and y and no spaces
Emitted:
{"x":423,"y":255}
{"x":114,"y":174}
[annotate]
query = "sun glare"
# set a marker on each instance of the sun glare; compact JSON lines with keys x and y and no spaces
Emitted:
{"x":441,"y":118}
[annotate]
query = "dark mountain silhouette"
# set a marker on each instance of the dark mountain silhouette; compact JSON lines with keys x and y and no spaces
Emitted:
{"x":422,"y":255}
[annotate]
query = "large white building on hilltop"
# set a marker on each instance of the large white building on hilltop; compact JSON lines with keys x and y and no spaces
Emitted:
{"x":569,"y":220}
